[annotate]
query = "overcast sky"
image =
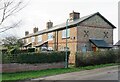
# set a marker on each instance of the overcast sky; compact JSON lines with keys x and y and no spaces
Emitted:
{"x":38,"y":12}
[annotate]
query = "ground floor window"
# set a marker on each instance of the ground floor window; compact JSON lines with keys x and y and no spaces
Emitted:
{"x":84,"y":49}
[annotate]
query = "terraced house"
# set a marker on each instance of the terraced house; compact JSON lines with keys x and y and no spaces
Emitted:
{"x":89,"y":33}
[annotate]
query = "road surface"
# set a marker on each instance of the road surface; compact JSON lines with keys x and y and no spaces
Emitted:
{"x":106,"y":73}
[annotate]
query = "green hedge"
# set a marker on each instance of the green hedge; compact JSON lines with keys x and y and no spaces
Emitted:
{"x":43,"y":57}
{"x":96,"y":58}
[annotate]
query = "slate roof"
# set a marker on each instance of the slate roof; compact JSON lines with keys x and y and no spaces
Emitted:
{"x":41,"y":44}
{"x":118,"y":43}
{"x":28,"y":44}
{"x":71,"y":23}
{"x":100,"y":43}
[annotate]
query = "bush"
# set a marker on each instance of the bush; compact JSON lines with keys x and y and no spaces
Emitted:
{"x":43,"y":57}
{"x":9,"y":58}
{"x":118,"y":56}
{"x":96,"y":58}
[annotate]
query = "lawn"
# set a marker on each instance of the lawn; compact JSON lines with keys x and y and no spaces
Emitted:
{"x":48,"y":72}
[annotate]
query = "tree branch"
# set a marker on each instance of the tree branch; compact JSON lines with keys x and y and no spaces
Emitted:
{"x":7,"y":28}
{"x":10,"y":9}
{"x":3,"y":18}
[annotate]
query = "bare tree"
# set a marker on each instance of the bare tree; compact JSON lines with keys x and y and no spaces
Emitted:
{"x":12,"y":42}
{"x":7,"y":9}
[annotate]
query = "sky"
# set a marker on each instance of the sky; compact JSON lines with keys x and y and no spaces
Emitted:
{"x":38,"y":12}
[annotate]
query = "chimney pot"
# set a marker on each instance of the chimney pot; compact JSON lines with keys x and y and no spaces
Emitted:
{"x":74,"y":15}
{"x":26,"y":33}
{"x":49,"y":24}
{"x":35,"y":30}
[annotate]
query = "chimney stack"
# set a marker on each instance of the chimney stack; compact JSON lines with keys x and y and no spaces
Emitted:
{"x":35,"y":30}
{"x":26,"y":33}
{"x":74,"y":15}
{"x":49,"y":25}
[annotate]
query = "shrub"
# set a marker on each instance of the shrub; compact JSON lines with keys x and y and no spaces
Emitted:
{"x":118,"y":56}
{"x":9,"y":58}
{"x":43,"y":57}
{"x":96,"y":58}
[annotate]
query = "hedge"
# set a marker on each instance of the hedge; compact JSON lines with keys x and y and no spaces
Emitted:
{"x":96,"y":58}
{"x":43,"y":57}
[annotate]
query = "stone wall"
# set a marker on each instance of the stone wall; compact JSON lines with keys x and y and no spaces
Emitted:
{"x":94,"y":27}
{"x":96,"y":21}
{"x":96,"y":33}
{"x":15,"y":67}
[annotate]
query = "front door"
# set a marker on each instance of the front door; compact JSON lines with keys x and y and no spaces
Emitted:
{"x":94,"y":49}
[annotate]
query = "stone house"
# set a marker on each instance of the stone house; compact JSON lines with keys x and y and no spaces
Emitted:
{"x":89,"y":33}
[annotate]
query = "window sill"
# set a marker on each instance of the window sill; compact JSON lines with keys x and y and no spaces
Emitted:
{"x":66,"y":38}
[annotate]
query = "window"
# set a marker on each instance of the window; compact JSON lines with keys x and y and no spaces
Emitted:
{"x":64,"y":33}
{"x":40,"y":38}
{"x":23,"y":41}
{"x":83,"y":48}
{"x":50,"y":36}
{"x":33,"y":39}
{"x":26,"y":40}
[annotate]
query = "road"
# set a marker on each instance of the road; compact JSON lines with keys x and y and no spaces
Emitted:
{"x":106,"y":73}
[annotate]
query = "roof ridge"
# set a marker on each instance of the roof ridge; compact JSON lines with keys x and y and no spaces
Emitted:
{"x":63,"y":25}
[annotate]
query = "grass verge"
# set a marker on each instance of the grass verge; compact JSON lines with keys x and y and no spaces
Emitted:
{"x":48,"y":72}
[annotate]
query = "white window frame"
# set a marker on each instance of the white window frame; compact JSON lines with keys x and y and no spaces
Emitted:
{"x":50,"y":36}
{"x":33,"y":39}
{"x":40,"y":38}
{"x":64,"y":33}
{"x":26,"y":40}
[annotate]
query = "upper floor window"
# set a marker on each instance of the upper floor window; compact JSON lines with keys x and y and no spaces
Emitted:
{"x":50,"y":36}
{"x":26,"y":40}
{"x":40,"y":38}
{"x":33,"y":39}
{"x":64,"y":33}
{"x":23,"y":40}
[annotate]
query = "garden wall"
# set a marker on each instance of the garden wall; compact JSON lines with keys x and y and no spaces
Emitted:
{"x":15,"y":67}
